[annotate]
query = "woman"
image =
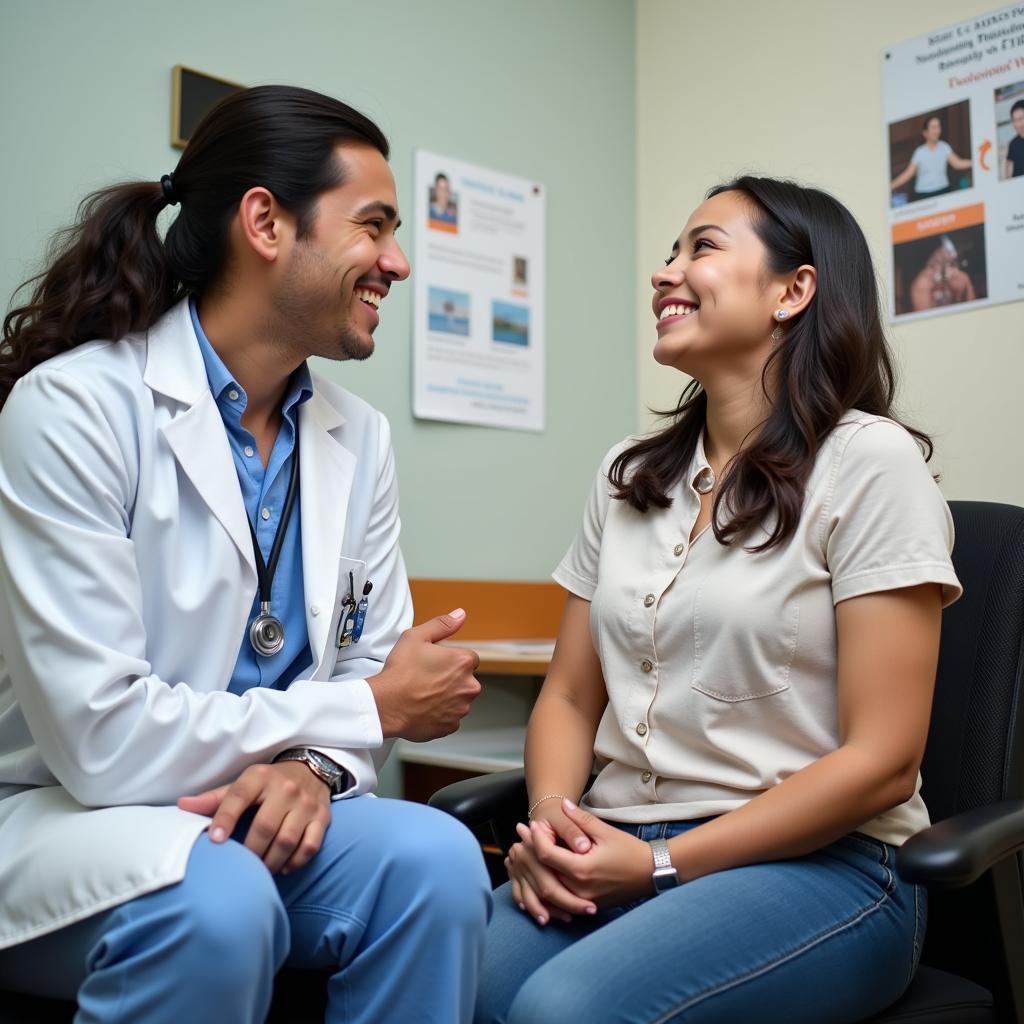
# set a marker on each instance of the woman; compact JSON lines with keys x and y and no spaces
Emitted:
{"x":747,"y":656}
{"x":929,"y":164}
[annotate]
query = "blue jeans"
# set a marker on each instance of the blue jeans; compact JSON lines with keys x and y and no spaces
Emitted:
{"x":395,"y":904}
{"x":831,"y":937}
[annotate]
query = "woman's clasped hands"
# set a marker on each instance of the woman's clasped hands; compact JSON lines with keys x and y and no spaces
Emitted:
{"x":570,"y":862}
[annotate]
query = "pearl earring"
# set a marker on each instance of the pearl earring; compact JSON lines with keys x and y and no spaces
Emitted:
{"x":781,"y":314}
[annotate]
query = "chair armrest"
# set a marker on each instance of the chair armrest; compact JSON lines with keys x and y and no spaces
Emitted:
{"x":501,"y":795}
{"x":959,"y":850}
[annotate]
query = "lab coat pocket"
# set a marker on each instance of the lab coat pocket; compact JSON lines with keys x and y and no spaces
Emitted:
{"x":351,"y":581}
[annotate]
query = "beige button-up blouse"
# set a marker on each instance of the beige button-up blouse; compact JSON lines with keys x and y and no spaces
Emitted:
{"x":720,"y":664}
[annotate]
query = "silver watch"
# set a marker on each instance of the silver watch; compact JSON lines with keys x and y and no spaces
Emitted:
{"x":665,"y":876}
{"x":329,"y":772}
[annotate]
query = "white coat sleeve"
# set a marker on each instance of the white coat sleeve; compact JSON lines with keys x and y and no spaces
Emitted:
{"x":390,"y":602}
{"x":72,"y":636}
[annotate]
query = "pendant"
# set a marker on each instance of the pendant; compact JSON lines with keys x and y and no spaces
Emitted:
{"x":266,"y":634}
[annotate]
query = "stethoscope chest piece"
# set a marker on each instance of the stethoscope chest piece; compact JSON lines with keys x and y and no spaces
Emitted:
{"x":266,"y":634}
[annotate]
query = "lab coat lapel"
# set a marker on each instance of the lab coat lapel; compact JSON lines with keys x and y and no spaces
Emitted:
{"x":326,"y":471}
{"x":196,"y":434}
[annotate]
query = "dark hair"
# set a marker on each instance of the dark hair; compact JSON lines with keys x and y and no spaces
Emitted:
{"x":440,"y":176}
{"x":832,"y":358}
{"x":928,"y":120}
{"x":1019,"y":105}
{"x":110,"y":273}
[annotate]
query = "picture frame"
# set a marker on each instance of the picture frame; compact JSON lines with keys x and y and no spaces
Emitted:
{"x":193,"y":93}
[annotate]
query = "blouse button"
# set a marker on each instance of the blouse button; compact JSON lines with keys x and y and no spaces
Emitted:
{"x":314,"y":609}
{"x":641,"y":729}
{"x":678,"y":549}
{"x":649,"y":600}
{"x":249,"y":451}
{"x":646,"y":777}
{"x":264,"y":514}
{"x":233,"y":395}
{"x":646,"y":666}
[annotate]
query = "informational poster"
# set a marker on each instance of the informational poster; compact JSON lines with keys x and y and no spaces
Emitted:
{"x":953,"y":103}
{"x":478,"y":336}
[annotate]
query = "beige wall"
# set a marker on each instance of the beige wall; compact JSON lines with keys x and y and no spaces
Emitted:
{"x":793,"y":88}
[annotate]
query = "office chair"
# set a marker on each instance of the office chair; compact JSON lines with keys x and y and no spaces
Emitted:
{"x":972,"y":967}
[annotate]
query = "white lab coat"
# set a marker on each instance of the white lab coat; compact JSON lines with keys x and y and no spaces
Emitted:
{"x":126,"y":581}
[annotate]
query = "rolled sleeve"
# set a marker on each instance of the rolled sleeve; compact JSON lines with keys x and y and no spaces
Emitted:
{"x":887,"y":525}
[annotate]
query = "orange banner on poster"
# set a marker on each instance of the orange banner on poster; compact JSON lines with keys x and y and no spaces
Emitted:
{"x":938,"y":223}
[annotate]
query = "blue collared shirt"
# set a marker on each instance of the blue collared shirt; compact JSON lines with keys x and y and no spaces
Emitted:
{"x":264,"y":491}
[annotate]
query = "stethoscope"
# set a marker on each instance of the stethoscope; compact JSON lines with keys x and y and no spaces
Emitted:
{"x":266,"y":634}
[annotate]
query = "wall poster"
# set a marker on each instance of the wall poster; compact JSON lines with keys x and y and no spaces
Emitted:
{"x":478,"y":295}
{"x":953,"y":102}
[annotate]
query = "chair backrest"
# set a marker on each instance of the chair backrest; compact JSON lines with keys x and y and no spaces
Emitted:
{"x":975,"y":752}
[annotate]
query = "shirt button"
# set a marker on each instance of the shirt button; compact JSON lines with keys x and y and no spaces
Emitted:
{"x":249,"y":451}
{"x":265,"y":514}
{"x":646,"y":666}
{"x":641,"y":729}
{"x":678,"y":549}
{"x":647,"y":776}
{"x":314,"y":609}
{"x":649,"y":600}
{"x":233,"y":395}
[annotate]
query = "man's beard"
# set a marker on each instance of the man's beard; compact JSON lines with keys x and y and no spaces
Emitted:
{"x":297,"y":324}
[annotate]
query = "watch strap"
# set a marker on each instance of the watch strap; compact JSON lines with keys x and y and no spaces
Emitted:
{"x":665,"y":875}
{"x":328,"y":771}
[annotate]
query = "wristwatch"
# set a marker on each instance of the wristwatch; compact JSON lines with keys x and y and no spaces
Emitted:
{"x":329,"y":772}
{"x":665,"y":876}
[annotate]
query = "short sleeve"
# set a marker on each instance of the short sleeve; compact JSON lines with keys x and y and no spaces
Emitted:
{"x":577,"y":571}
{"x":887,"y":525}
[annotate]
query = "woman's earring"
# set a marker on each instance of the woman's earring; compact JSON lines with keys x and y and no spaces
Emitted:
{"x":780,"y":315}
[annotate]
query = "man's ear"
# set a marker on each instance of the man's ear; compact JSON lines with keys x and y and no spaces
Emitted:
{"x":264,"y":226}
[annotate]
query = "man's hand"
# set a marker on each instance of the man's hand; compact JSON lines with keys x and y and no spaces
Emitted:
{"x":425,"y":690}
{"x":294,"y":812}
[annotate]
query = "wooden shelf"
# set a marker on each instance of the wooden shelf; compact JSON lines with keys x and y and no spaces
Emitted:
{"x":471,"y":750}
{"x":511,"y":657}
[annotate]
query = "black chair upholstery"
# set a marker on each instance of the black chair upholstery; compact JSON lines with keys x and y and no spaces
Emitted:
{"x":973,"y":783}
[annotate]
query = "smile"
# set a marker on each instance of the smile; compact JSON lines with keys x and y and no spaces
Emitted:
{"x":367,"y":295}
{"x":676,"y":310}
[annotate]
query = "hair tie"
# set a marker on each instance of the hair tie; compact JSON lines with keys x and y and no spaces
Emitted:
{"x":167,"y":184}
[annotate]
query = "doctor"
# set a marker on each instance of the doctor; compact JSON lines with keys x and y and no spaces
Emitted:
{"x":204,"y":613}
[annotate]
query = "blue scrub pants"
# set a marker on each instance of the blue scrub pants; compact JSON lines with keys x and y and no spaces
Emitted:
{"x":395,"y":904}
{"x":831,"y":937}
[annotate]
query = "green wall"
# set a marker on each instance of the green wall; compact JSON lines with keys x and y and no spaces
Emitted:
{"x":537,"y":88}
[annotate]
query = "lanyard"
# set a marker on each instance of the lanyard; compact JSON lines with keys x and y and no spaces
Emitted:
{"x":266,"y":634}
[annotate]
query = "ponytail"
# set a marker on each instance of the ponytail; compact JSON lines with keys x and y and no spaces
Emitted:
{"x":107,"y":276}
{"x":111,"y":274}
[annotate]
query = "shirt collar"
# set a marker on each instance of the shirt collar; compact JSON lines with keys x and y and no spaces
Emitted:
{"x":300,"y":383}
{"x":699,"y":466}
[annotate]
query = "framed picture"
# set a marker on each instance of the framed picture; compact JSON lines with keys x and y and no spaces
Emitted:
{"x":193,"y":93}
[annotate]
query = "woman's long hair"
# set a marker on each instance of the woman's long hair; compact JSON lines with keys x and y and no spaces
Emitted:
{"x":832,"y":359}
{"x":111,"y":274}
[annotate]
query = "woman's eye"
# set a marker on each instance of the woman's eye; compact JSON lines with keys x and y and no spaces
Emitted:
{"x":700,"y":243}
{"x":669,"y":260}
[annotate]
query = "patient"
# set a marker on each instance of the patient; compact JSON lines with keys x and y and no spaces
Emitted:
{"x":746,"y":658}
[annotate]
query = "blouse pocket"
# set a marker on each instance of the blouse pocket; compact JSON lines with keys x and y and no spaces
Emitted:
{"x":743,"y":647}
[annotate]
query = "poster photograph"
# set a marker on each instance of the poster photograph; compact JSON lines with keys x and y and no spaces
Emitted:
{"x":953,"y":103}
{"x":478,"y":295}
